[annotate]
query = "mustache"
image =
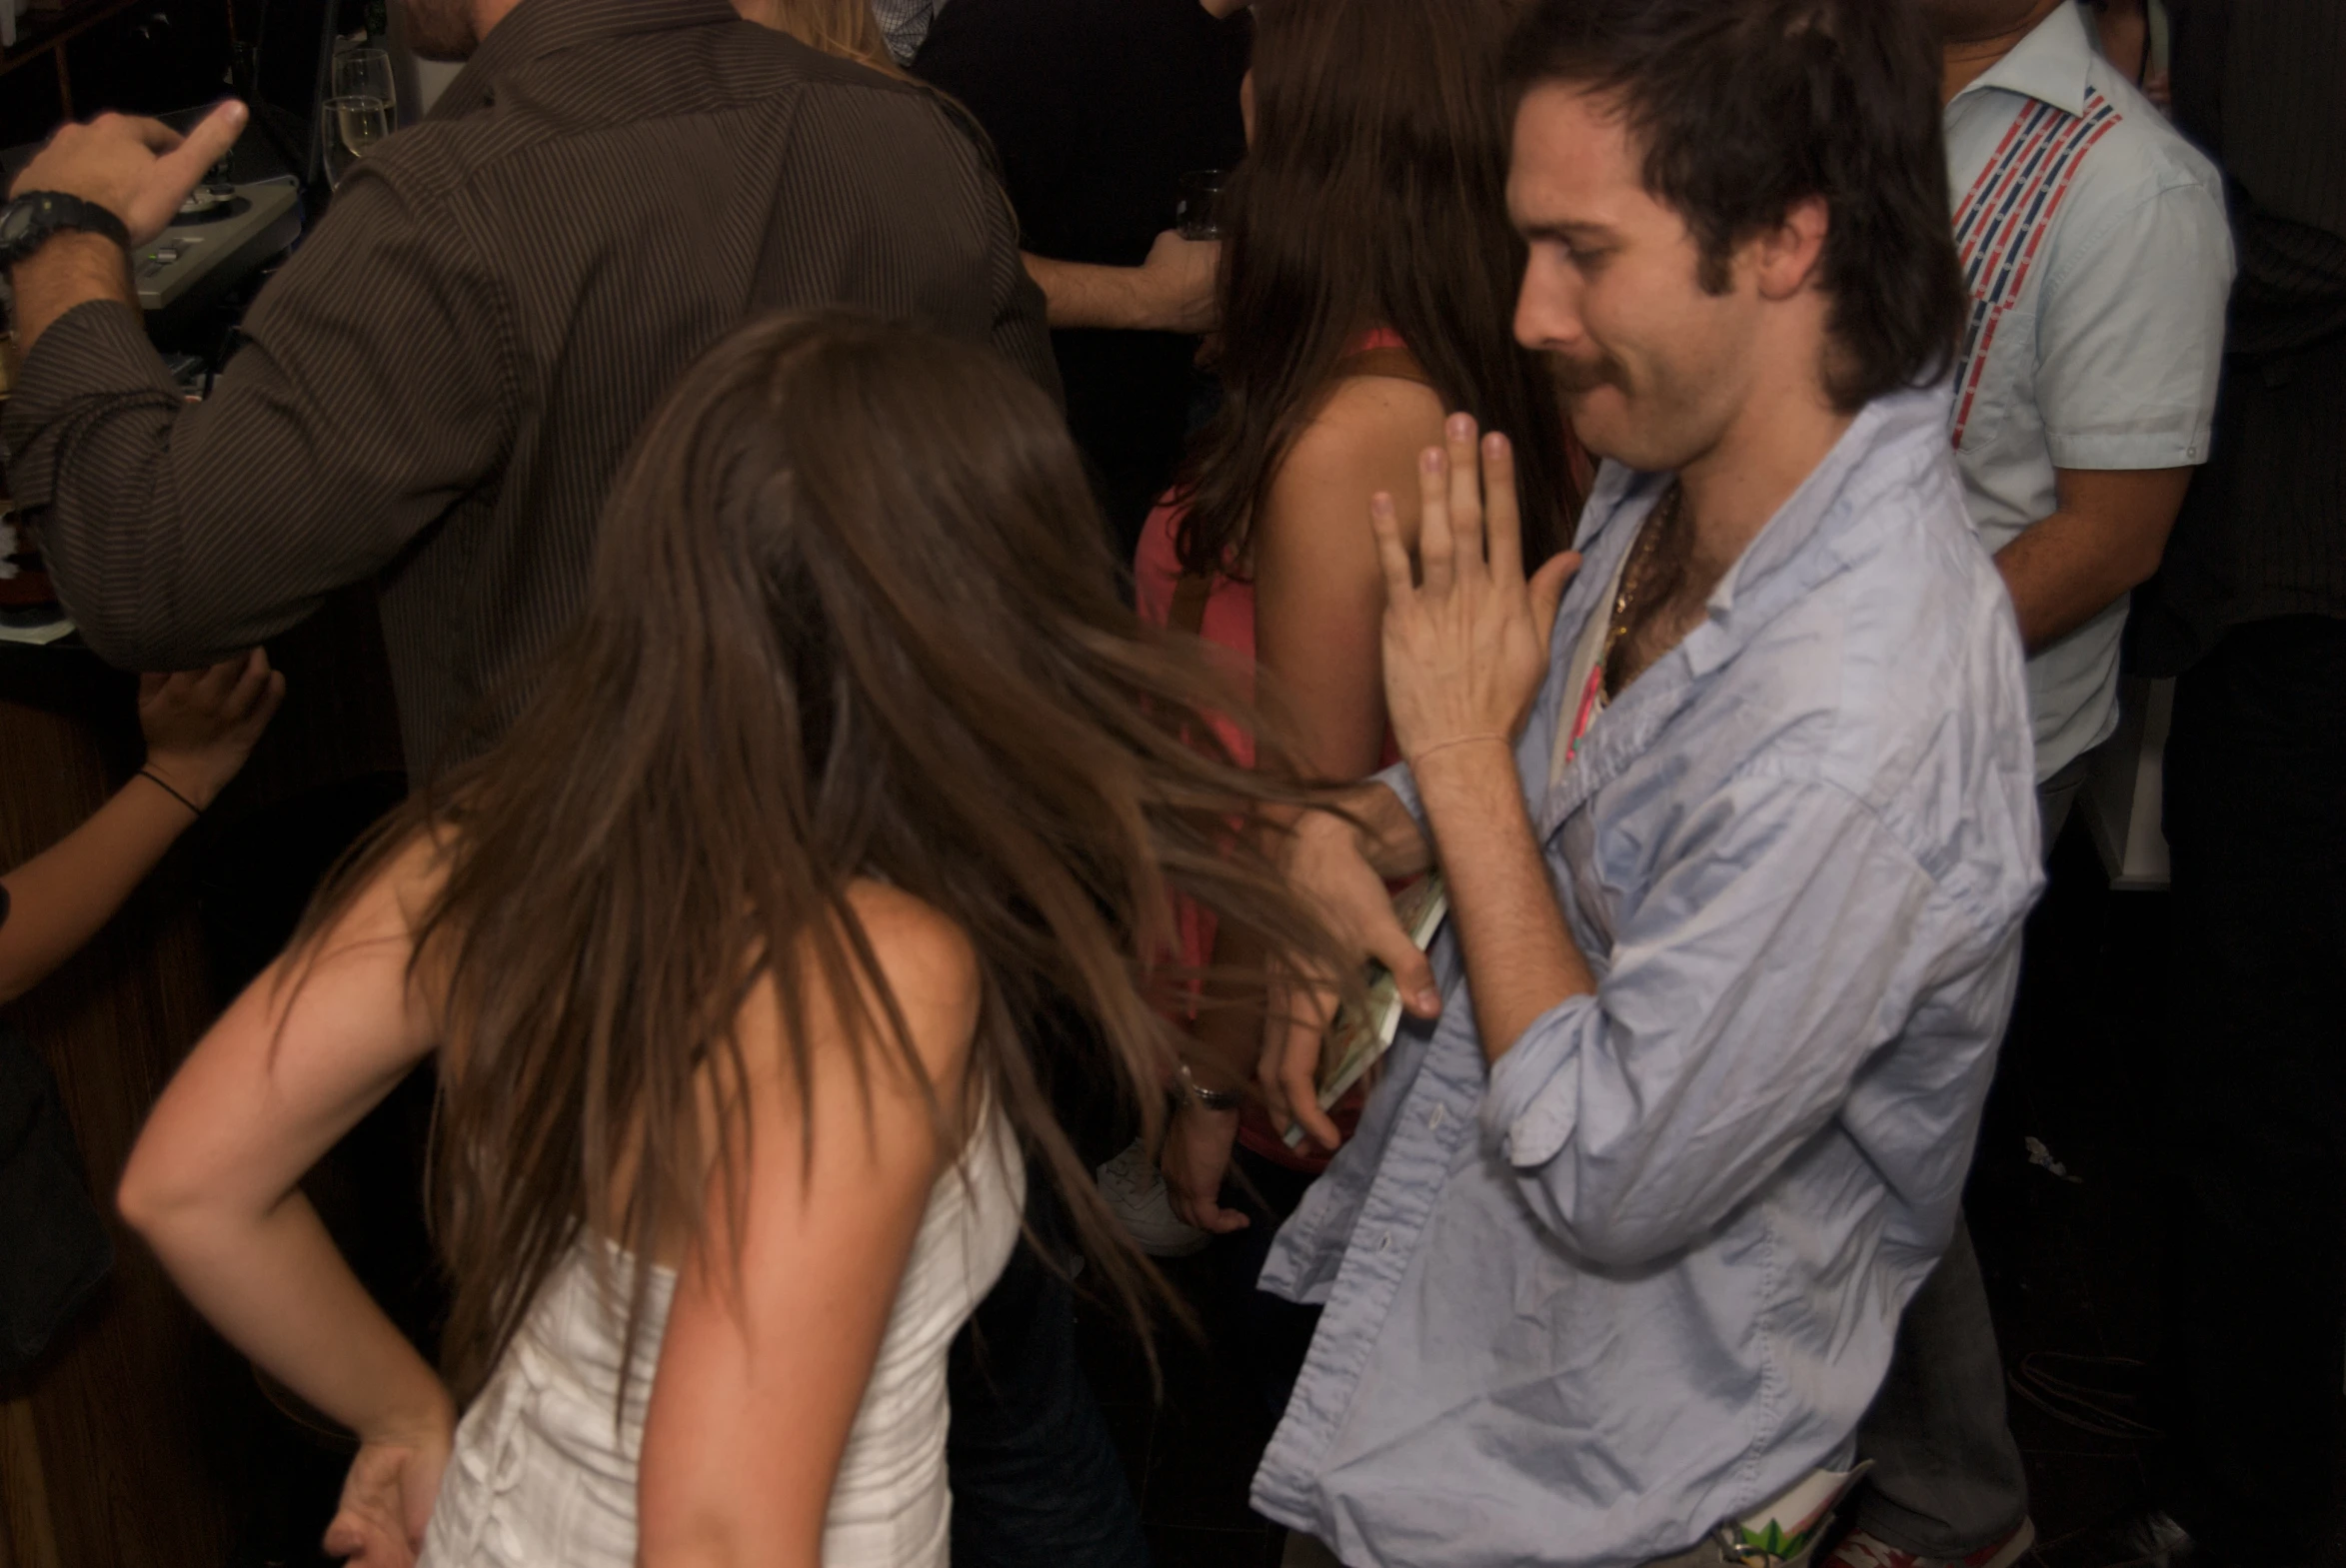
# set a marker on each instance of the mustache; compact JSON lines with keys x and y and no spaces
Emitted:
{"x":1575,"y":378}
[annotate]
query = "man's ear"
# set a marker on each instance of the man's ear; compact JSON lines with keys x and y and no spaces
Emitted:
{"x":1784,"y":260}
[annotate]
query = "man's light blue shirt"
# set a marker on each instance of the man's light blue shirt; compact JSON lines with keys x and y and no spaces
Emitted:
{"x":1644,"y":1274}
{"x":2099,"y":261}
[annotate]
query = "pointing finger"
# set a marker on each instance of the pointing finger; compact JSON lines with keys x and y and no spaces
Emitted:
{"x":181,"y":167}
{"x":153,"y":134}
{"x":183,"y":163}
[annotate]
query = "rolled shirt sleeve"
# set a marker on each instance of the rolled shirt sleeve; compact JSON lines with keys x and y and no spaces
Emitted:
{"x":2131,"y":336}
{"x":1403,"y":785}
{"x":1786,"y":942}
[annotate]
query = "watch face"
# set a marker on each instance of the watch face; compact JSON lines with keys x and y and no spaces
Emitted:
{"x":15,"y":219}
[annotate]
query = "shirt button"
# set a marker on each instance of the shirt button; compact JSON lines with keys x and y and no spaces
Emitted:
{"x":1385,"y":1243}
{"x":1433,"y":1119}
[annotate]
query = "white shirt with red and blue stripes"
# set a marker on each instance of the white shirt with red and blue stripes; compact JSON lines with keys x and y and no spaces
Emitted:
{"x":2099,"y":260}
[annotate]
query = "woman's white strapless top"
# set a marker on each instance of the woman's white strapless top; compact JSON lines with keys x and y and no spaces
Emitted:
{"x":541,"y":1478}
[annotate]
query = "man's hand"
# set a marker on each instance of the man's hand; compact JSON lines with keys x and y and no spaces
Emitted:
{"x":1179,"y":281}
{"x":1466,"y":650}
{"x":139,"y":170}
{"x":1325,"y":862}
{"x":1173,"y":290}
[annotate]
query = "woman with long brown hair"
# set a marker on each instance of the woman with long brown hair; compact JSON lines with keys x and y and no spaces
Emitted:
{"x":851,"y":765}
{"x":1368,"y":282}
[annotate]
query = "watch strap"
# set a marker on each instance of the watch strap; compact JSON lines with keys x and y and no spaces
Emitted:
{"x":50,"y":213}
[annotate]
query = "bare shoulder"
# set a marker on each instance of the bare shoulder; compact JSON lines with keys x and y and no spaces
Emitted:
{"x":930,"y":967}
{"x":1366,"y":421}
{"x":1365,"y":437}
{"x":386,"y":910}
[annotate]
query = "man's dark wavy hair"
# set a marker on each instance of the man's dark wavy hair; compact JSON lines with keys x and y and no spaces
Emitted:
{"x":1745,"y":108}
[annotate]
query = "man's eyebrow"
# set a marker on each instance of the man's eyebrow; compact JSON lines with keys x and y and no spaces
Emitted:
{"x":1563,"y":228}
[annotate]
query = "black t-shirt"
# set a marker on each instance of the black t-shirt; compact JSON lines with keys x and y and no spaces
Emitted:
{"x":1098,"y":108}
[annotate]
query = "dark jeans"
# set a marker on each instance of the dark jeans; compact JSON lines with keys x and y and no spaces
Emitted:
{"x":1035,"y":1477}
{"x":1037,"y":1480}
{"x":1269,"y":1335}
{"x":2255,"y":1087}
{"x":1946,"y":1477}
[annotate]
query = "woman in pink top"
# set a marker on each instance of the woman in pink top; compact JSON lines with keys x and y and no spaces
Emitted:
{"x":1368,"y":281}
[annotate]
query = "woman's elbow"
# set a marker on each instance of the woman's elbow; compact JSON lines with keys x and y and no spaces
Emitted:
{"x":150,"y":1197}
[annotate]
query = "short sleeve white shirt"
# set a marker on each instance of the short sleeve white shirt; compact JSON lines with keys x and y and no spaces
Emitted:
{"x":2098,"y":262}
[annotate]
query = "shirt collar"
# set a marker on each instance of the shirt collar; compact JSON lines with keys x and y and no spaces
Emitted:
{"x":1885,"y":433}
{"x":2048,"y":65}
{"x":537,"y":28}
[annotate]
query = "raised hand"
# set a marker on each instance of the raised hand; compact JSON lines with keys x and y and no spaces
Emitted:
{"x":139,"y":170}
{"x":1465,"y":648}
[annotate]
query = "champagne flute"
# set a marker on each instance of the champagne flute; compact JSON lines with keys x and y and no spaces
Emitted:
{"x":353,"y":127}
{"x":365,"y":73}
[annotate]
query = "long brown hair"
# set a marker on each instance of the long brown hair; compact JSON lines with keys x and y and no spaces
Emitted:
{"x":851,"y":617}
{"x":1373,"y":195}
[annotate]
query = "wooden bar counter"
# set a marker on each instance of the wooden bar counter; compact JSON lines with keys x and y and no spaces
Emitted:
{"x":137,"y":1438}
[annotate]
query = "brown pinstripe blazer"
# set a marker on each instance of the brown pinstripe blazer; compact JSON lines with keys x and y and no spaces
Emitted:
{"x":437,"y":390}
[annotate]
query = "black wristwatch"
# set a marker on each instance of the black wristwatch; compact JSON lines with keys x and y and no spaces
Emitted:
{"x":27,"y":223}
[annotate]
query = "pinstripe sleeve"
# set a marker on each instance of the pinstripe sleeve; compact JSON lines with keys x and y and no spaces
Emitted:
{"x":370,"y":393}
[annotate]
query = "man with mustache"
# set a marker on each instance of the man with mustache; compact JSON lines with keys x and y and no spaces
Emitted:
{"x":1739,"y":838}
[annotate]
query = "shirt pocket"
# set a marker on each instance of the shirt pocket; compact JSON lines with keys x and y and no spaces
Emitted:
{"x":1999,"y":375}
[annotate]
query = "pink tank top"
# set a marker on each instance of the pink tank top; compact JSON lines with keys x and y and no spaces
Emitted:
{"x":1229,"y":624}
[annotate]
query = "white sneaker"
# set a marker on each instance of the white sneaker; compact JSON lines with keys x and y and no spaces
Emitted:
{"x":1136,"y":1193}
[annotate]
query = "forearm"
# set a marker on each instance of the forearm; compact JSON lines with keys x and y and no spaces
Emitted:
{"x":2104,"y":536}
{"x":276,"y":1288}
{"x":1521,"y":958}
{"x":1391,"y":837}
{"x":1083,"y":293}
{"x":179,"y":534}
{"x":71,"y":269}
{"x":729,"y":1550}
{"x":99,"y":439}
{"x":1226,"y":1034}
{"x":2065,"y":571}
{"x":60,"y":898}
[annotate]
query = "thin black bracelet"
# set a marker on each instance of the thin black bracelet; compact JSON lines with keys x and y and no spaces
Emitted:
{"x":156,"y":779}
